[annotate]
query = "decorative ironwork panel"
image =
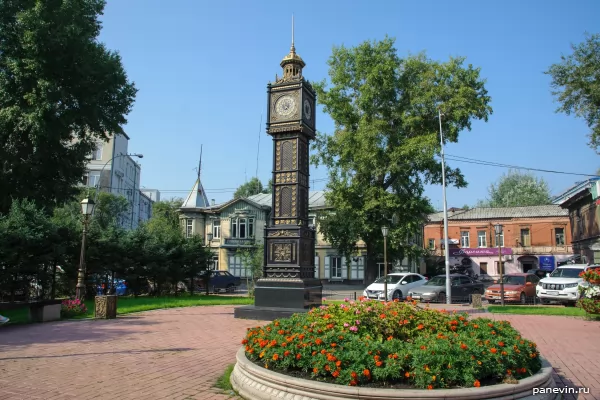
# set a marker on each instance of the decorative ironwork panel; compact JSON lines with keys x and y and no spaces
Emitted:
{"x":286,"y":202}
{"x":287,"y":155}
{"x":282,"y":233}
{"x":282,"y":252}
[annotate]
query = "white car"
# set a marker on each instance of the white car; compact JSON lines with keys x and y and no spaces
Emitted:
{"x":398,"y":285}
{"x":563,"y":284}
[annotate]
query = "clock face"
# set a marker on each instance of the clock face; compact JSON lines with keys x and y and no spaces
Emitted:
{"x":285,"y":106}
{"x":307,"y":109}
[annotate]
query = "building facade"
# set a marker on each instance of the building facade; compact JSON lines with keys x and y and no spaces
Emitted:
{"x":533,"y":237}
{"x":111,"y":169}
{"x":581,"y":201}
{"x":240,"y":224}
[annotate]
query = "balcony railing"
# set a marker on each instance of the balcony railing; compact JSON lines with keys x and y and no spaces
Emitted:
{"x":239,"y":241}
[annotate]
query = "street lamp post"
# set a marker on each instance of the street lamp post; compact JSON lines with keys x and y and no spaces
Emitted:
{"x":209,"y":238}
{"x":102,"y":170}
{"x":498,"y":228}
{"x":385,"y":230}
{"x":87,"y":208}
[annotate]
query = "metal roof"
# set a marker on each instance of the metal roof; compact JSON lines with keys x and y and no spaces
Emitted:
{"x":316,"y":199}
{"x":483,"y":213}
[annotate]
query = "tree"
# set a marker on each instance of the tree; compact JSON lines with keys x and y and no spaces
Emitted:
{"x":386,"y":138}
{"x":61,"y":92}
{"x":516,"y":189}
{"x":168,"y":209}
{"x":252,"y":187}
{"x":576,"y":84}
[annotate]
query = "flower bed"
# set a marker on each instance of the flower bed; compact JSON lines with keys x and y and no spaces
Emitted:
{"x":590,"y":293}
{"x":72,"y":308}
{"x":370,"y":343}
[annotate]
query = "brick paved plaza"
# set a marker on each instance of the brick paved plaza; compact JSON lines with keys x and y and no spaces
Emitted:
{"x":180,"y":353}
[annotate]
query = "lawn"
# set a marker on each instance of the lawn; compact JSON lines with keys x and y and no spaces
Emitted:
{"x":128,"y":305}
{"x":538,"y":310}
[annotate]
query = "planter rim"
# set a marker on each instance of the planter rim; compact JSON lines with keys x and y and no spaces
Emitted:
{"x":271,"y":382}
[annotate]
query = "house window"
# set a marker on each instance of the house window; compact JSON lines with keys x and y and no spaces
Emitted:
{"x":357,"y":268}
{"x":559,"y":235}
{"x":189,"y":227}
{"x":237,"y":268}
{"x":525,"y":237}
{"x":97,"y":152}
{"x":482,"y":268}
{"x":500,"y":240}
{"x":464,"y":239}
{"x":481,"y":239}
{"x":431,"y":244}
{"x":336,"y":267}
{"x":216,"y":229}
{"x":242,"y":228}
{"x":214,"y":264}
{"x":92,"y":179}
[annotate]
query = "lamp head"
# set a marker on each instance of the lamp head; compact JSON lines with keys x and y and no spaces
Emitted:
{"x":498,"y":228}
{"x":385,"y":230}
{"x":87,"y":206}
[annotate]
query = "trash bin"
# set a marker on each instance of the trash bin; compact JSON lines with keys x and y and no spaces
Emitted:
{"x":476,"y":301}
{"x":106,"y":307}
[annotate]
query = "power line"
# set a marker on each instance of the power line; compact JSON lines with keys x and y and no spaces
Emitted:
{"x":495,"y":164}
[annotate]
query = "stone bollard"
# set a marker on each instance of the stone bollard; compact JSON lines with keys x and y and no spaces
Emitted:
{"x":106,"y":307}
{"x":476,"y":301}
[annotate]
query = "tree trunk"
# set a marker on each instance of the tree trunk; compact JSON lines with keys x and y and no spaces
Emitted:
{"x":371,"y":267}
{"x":53,"y":288}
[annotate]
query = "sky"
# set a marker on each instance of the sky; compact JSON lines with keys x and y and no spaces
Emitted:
{"x":202,"y":69}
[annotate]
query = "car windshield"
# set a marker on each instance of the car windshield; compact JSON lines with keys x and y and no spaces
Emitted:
{"x":437,"y":281}
{"x":566,"y":273}
{"x":389,"y":279}
{"x":513,"y":280}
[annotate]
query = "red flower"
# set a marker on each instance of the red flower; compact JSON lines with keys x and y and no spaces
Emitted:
{"x":420,"y":326}
{"x":463,"y":346}
{"x":476,"y":383}
{"x":493,"y":350}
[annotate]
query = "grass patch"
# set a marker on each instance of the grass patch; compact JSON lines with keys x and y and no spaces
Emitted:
{"x":128,"y":305}
{"x":538,"y":310}
{"x":224,"y":382}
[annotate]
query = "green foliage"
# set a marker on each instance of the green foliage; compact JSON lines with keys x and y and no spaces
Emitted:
{"x":168,"y":209}
{"x":61,"y":92}
{"x":576,"y":84}
{"x":386,"y":138}
{"x":253,"y":260}
{"x":224,"y":381}
{"x":252,"y":187}
{"x":516,"y":189}
{"x":379,"y":344}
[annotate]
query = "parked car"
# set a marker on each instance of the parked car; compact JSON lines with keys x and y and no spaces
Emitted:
{"x":563,"y":284}
{"x":517,"y":287}
{"x":221,"y":280}
{"x":538,"y":272}
{"x":462,"y":286}
{"x":398,"y":285}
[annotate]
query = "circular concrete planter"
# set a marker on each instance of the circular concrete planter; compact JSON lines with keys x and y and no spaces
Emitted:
{"x":255,"y":383}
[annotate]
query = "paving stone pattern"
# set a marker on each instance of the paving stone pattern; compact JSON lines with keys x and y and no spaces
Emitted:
{"x":180,"y":353}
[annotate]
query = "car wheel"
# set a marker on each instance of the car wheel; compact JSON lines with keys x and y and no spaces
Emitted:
{"x":442,"y":297}
{"x":523,"y":299}
{"x":397,"y":295}
{"x":230,"y":288}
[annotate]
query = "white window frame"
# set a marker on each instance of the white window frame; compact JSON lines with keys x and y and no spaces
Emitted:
{"x":523,"y":244}
{"x":480,"y":242}
{"x":216,"y":229}
{"x":336,"y":267}
{"x":465,"y":239}
{"x":562,"y":235}
{"x":357,"y":268}
{"x":97,"y":152}
{"x":93,"y":179}
{"x":189,"y":227}
{"x":317,"y":262}
{"x":214,"y":264}
{"x":247,"y":223}
{"x":501,"y":239}
{"x":431,"y":244}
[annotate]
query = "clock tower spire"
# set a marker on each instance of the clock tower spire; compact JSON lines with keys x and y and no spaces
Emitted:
{"x":288,"y":284}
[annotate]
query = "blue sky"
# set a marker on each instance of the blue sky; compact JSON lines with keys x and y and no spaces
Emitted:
{"x":202,"y":69}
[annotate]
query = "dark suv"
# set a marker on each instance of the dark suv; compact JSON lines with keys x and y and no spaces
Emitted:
{"x":221,"y":280}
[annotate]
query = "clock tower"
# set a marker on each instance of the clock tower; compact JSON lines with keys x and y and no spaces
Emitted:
{"x":288,"y":284}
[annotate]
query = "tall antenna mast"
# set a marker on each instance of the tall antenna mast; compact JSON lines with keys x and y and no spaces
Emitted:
{"x":200,"y":163}
{"x":292,"y":30}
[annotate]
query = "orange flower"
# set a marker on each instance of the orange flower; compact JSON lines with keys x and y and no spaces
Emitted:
{"x":286,"y":353}
{"x":478,"y":362}
{"x":318,"y":341}
{"x":338,"y":363}
{"x":463,"y":346}
{"x":244,"y":341}
{"x":298,"y":356}
{"x":382,"y":316}
{"x":333,"y":344}
{"x":335,"y":374}
{"x":475,"y":326}
{"x":314,"y":353}
{"x":379,"y":363}
{"x":476,"y":383}
{"x":353,"y":383}
{"x":491,"y":325}
{"x":508,"y":372}
{"x":353,"y":375}
{"x":423,"y":347}
{"x":315,"y":370}
{"x":433,"y":378}
{"x":429,"y":387}
{"x":281,"y":331}
{"x":367,"y":373}
{"x":327,"y":367}
{"x":390,"y":337}
{"x":493,"y":350}
{"x":501,"y":344}
{"x":323,"y":351}
{"x":504,"y":353}
{"x":407,"y":374}
{"x":420,"y":326}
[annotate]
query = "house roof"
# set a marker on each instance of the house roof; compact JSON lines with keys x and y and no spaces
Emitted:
{"x":574,"y":191}
{"x":316,"y":199}
{"x":482,"y":213}
{"x":197,"y":197}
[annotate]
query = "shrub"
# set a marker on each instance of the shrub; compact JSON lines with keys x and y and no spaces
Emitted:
{"x":72,"y":308}
{"x":383,"y":344}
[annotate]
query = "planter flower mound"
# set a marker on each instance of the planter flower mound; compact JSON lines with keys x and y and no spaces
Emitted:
{"x":392,"y":344}
{"x":72,"y":308}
